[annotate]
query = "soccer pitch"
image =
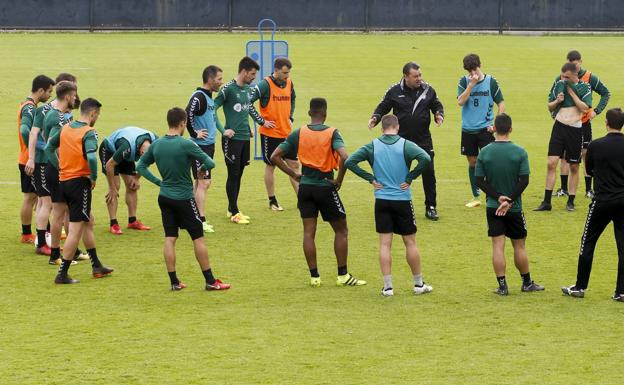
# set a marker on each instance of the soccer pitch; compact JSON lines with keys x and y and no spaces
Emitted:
{"x":271,"y":327}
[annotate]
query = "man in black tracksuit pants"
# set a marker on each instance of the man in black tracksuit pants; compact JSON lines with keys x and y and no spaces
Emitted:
{"x":412,"y":101}
{"x":605,"y":162}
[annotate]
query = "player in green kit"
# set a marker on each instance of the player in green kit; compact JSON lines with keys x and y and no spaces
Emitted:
{"x":598,"y":87}
{"x":42,"y":87}
{"x":502,"y":172}
{"x":118,"y":152}
{"x":235,"y":99}
{"x":568,"y":100}
{"x":320,"y":149}
{"x":53,"y":121}
{"x":173,"y":156}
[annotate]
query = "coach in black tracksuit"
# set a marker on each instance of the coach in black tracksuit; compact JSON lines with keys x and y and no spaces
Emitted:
{"x":605,"y":162}
{"x":413,"y":101}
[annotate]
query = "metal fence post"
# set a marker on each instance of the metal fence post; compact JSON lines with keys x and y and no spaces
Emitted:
{"x":366,"y":16}
{"x":500,"y":17}
{"x":230,"y":6}
{"x":91,"y":15}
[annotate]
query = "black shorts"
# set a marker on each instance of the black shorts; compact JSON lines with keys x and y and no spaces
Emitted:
{"x":566,"y":142}
{"x":77,"y":193}
{"x":52,"y":177}
{"x":269,"y":145}
{"x":394,"y":217}
{"x":41,"y":182}
{"x":311,"y":199}
{"x":209,"y":150}
{"x":27,"y":181}
{"x":125,"y":167}
{"x":471,"y":143}
{"x":180,"y":214}
{"x":587,"y":133}
{"x":235,"y":152}
{"x":512,"y":225}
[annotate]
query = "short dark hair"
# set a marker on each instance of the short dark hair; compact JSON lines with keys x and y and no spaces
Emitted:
{"x":64,"y":76}
{"x":502,"y":123}
{"x":210,"y":72}
{"x":568,"y":67}
{"x":615,"y":118}
{"x":89,"y":104}
{"x":41,"y":82}
{"x":412,"y":65}
{"x":175,"y":116}
{"x":389,"y":121}
{"x":471,"y":62}
{"x":574,"y":55}
{"x":280,"y":62}
{"x":318,"y":106}
{"x":64,"y":87}
{"x":247,"y":64}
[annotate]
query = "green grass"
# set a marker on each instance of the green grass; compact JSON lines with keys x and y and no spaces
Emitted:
{"x":271,"y":328}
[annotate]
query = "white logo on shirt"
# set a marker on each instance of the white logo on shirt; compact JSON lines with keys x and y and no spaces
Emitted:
{"x":237,"y":107}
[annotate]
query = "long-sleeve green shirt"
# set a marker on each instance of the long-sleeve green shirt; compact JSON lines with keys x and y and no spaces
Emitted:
{"x":173,"y":156}
{"x":27,"y":115}
{"x":411,"y":152}
{"x":596,"y":86}
{"x":89,"y":148}
{"x":237,"y":107}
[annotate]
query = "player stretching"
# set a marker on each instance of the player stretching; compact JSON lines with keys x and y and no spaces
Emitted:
{"x":42,"y":87}
{"x":502,"y":172}
{"x":476,"y":94}
{"x":201,"y":123}
{"x":173,"y":156}
{"x":277,"y":104}
{"x":321,"y":150}
{"x":390,"y":157}
{"x":235,"y":98}
{"x":568,"y":100}
{"x":77,"y":145}
{"x":118,"y":153}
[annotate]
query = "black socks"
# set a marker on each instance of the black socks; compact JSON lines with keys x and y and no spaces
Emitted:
{"x":210,"y":279}
{"x":564,"y":182}
{"x":26,"y":230}
{"x":173,"y":277}
{"x":95,"y":262}
{"x":526,"y":279}
{"x":41,"y":241}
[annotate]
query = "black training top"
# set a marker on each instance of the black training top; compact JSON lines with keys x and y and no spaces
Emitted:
{"x":414,"y":118}
{"x":605,"y":162}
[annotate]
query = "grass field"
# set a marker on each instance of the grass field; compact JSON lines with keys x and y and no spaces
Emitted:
{"x":271,"y":328}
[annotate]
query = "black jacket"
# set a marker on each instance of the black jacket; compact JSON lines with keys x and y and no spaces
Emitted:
{"x":414,"y":122}
{"x":605,"y":162}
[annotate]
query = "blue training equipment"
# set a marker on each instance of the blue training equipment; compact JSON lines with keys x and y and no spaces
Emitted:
{"x":264,"y":52}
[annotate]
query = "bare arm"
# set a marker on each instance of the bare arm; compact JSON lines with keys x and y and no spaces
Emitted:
{"x":463,"y":97}
{"x":277,"y":158}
